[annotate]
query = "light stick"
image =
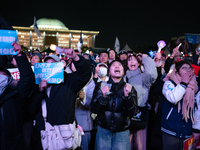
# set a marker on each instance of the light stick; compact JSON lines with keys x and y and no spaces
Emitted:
{"x":160,"y":45}
{"x":55,"y":48}
{"x":179,"y":45}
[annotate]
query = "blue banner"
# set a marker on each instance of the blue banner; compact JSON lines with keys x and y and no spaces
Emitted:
{"x":52,"y":72}
{"x":192,"y":38}
{"x":7,"y":37}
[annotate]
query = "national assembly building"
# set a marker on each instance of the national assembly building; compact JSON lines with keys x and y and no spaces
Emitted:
{"x":55,"y":32}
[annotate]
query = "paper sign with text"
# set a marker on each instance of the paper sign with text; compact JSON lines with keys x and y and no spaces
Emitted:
{"x":52,"y":72}
{"x":15,"y":72}
{"x":189,"y":144}
{"x":7,"y":37}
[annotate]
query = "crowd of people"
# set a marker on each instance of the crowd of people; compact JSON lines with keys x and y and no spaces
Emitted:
{"x":122,"y":101}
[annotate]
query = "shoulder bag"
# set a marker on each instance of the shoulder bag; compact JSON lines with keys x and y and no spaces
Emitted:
{"x":59,"y":137}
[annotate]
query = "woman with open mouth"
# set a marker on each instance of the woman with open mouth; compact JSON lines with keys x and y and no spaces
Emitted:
{"x":141,"y":74}
{"x":113,"y":107}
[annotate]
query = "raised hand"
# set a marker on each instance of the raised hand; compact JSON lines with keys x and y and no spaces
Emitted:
{"x":97,"y":68}
{"x":70,"y":53}
{"x":127,"y":89}
{"x":175,"y":51}
{"x":17,"y":48}
{"x":157,"y":56}
{"x":186,"y":77}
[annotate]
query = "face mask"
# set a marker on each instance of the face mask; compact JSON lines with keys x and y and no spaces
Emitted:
{"x":102,"y":72}
{"x":3,"y":82}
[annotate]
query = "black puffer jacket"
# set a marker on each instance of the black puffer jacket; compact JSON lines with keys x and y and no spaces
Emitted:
{"x":114,"y":110}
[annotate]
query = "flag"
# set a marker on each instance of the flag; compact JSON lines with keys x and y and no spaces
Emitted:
{"x":196,"y":69}
{"x":81,"y":39}
{"x":117,"y":45}
{"x":36,"y":27}
{"x":187,"y":48}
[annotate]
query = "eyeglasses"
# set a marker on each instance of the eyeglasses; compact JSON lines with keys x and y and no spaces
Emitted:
{"x":188,"y":69}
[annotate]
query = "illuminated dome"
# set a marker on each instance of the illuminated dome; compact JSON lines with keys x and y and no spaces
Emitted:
{"x":48,"y":23}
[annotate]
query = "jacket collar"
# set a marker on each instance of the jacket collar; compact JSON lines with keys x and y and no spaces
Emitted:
{"x":118,"y":85}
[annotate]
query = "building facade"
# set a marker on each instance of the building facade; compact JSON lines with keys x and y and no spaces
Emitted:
{"x":55,"y":32}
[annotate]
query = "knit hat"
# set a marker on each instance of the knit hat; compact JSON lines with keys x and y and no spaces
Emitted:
{"x":38,"y":54}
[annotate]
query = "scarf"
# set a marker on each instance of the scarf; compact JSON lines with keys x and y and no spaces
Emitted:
{"x":188,"y":98}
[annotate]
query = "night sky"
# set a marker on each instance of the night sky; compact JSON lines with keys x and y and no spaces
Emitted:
{"x":137,"y":23}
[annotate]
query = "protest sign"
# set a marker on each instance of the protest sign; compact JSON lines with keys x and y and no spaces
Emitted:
{"x":15,"y":72}
{"x":7,"y":37}
{"x":189,"y":144}
{"x":52,"y":72}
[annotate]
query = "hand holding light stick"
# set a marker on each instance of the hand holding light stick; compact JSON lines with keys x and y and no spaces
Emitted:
{"x":55,"y":48}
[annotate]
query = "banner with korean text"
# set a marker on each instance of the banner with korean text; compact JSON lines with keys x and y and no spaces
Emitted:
{"x":7,"y":37}
{"x":52,"y":72}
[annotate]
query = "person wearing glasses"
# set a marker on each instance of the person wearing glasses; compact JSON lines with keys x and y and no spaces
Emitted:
{"x":178,"y":107}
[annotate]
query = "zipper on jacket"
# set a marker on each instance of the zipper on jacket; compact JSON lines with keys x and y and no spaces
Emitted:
{"x":169,"y":113}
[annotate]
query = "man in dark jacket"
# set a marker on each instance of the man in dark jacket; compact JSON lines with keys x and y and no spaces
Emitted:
{"x":12,"y":99}
{"x":114,"y":106}
{"x":60,"y":98}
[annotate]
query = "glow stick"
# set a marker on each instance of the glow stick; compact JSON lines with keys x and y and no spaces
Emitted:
{"x":54,"y":47}
{"x":179,"y":45}
{"x":160,"y":45}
